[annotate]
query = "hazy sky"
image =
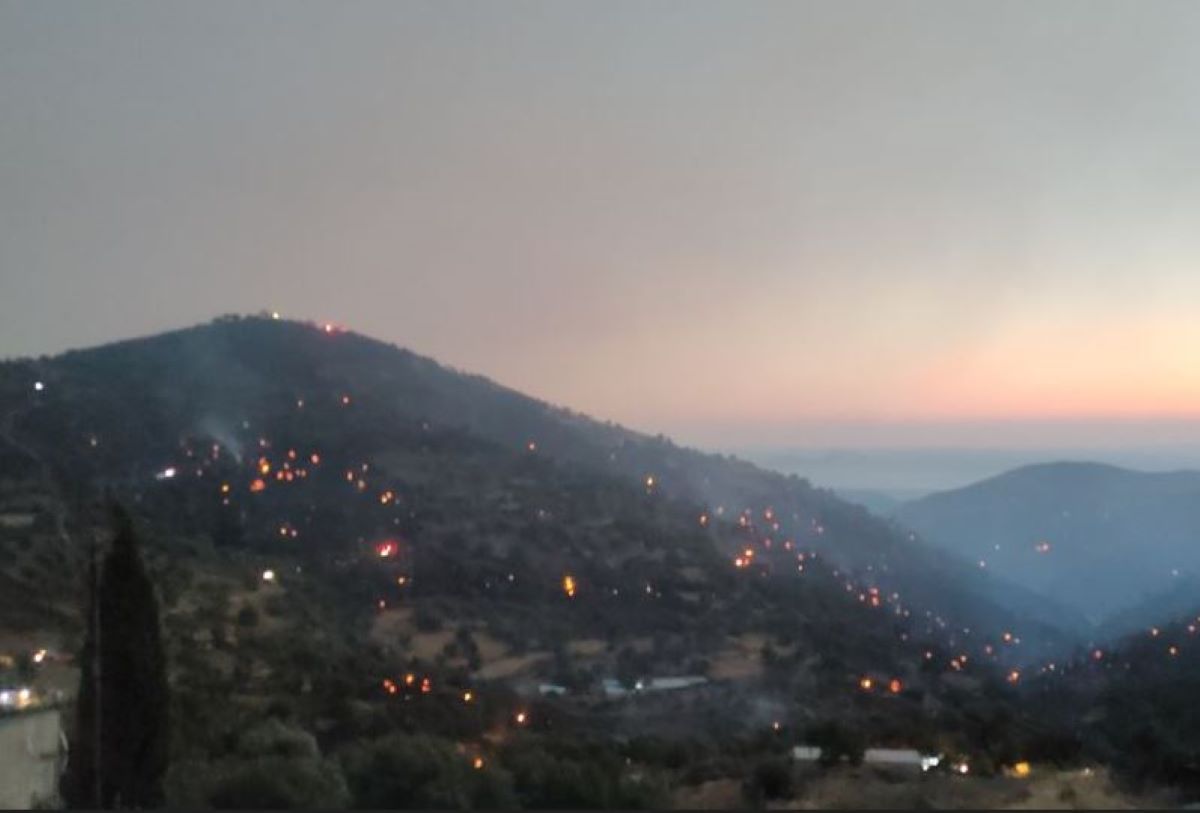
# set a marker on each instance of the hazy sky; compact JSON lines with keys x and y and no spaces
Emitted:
{"x":734,"y":222}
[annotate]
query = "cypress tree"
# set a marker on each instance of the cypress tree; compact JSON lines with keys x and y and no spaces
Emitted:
{"x":133,"y":736}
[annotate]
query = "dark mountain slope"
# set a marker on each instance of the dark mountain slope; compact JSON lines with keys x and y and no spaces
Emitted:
{"x":1097,"y":538}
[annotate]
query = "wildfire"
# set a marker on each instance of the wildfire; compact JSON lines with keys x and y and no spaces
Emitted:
{"x":568,"y":585}
{"x":895,"y":686}
{"x":386,"y":549}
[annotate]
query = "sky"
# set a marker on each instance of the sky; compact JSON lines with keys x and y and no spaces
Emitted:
{"x":742,"y":224}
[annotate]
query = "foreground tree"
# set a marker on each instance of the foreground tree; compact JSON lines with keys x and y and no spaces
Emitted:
{"x":119,"y":753}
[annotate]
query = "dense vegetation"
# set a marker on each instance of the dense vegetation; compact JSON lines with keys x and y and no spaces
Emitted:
{"x":368,"y":564}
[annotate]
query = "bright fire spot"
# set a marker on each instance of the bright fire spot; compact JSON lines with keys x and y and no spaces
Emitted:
{"x":520,"y":718}
{"x":315,"y":458}
{"x":257,"y":486}
{"x":1022,"y":769}
{"x":385,"y":549}
{"x":568,"y":585}
{"x":467,"y":697}
{"x":426,"y":686}
{"x":477,"y":764}
{"x":409,"y":678}
{"x":1014,"y":676}
{"x":1173,"y":651}
{"x":866,"y":684}
{"x":224,"y":488}
{"x":895,"y":686}
{"x":268,"y":575}
{"x":39,"y":656}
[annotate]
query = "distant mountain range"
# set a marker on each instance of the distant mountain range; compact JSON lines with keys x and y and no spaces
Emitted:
{"x":1097,"y":538}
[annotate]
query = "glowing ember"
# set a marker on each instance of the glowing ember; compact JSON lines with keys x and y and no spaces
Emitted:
{"x":520,"y":718}
{"x":467,"y":697}
{"x":895,"y":686}
{"x":568,"y":585}
{"x":257,"y":486}
{"x":386,"y":549}
{"x":1022,"y":769}
{"x":1014,"y":676}
{"x":866,"y":684}
{"x":477,"y":764}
